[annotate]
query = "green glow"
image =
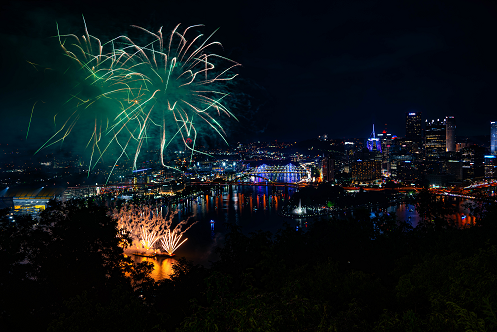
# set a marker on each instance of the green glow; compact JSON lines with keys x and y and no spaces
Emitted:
{"x":149,"y":88}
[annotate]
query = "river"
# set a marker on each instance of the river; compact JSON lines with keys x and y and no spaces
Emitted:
{"x":252,"y":208}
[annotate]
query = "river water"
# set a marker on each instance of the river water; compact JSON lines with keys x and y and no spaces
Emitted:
{"x":252,"y":208}
{"x":407,"y":212}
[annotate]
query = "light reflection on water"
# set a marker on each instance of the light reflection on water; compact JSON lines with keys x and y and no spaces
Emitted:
{"x":163,"y":267}
{"x":407,"y":212}
{"x":252,"y":208}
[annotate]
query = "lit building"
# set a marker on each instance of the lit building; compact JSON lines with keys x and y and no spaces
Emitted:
{"x":439,"y":180}
{"x":365,"y":170}
{"x":328,"y":169}
{"x":460,"y":146}
{"x":396,"y":158}
{"x":473,"y":162}
{"x":374,"y":143}
{"x":450,"y":134}
{"x":490,"y":167}
{"x":435,"y":139}
{"x":493,"y":138}
{"x":413,"y":126}
{"x":80,"y":192}
{"x":386,"y":142}
{"x":29,"y":200}
{"x":455,"y":167}
{"x":407,"y":172}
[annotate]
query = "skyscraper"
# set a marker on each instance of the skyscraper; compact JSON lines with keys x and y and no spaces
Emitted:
{"x":493,"y":138}
{"x":328,"y":169}
{"x":374,"y":142}
{"x":450,"y":134}
{"x":435,"y":139}
{"x":413,"y":126}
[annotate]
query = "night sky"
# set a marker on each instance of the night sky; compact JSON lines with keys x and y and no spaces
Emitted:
{"x":309,"y":67}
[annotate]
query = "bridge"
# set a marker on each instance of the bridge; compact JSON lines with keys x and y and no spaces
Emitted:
{"x":289,"y":173}
{"x":248,"y":176}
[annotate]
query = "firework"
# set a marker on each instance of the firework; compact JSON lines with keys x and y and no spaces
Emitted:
{"x":170,"y":241}
{"x":148,"y":238}
{"x":161,"y":90}
{"x":146,"y":226}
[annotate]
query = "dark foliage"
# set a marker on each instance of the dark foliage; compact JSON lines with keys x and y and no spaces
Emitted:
{"x":71,"y":252}
{"x":356,"y":274}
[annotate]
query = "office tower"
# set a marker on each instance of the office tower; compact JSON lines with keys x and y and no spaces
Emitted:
{"x":435,"y":139}
{"x":365,"y":170}
{"x":387,"y":141}
{"x":413,"y":126}
{"x":473,"y":159}
{"x":374,"y":143}
{"x":450,"y":134}
{"x":407,"y":172}
{"x":328,"y":169}
{"x":490,"y":164}
{"x":493,"y":138}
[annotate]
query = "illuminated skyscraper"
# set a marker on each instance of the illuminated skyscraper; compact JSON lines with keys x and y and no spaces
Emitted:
{"x":374,"y":143}
{"x":435,"y":139}
{"x":387,"y":141}
{"x":413,"y":126}
{"x":450,"y":134}
{"x":493,"y":137}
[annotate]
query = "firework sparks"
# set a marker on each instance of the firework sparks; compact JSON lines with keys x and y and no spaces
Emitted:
{"x":170,"y":241}
{"x":162,"y":90}
{"x":148,"y":238}
{"x":146,"y":226}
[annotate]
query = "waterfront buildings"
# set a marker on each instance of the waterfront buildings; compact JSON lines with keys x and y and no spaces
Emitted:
{"x":408,"y":159}
{"x":29,"y":199}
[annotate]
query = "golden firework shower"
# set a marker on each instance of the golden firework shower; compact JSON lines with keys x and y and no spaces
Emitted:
{"x":146,"y":225}
{"x":164,"y":89}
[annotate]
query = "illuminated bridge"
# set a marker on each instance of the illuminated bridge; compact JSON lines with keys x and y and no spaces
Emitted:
{"x":289,"y":173}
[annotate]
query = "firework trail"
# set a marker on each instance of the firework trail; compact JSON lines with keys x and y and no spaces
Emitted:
{"x":146,"y":226}
{"x":148,"y":238}
{"x":162,"y":90}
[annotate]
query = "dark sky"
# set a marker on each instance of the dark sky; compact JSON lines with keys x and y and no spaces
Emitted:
{"x":309,"y":67}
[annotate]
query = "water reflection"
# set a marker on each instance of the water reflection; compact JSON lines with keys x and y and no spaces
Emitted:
{"x":213,"y":234}
{"x":252,"y":208}
{"x":407,"y":212}
{"x":163,"y":267}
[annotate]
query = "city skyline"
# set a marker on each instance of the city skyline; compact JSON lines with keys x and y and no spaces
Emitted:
{"x":331,"y":165}
{"x":305,"y":72}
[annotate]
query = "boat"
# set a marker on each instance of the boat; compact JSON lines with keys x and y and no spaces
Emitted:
{"x":165,"y":254}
